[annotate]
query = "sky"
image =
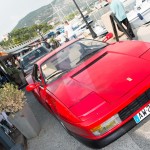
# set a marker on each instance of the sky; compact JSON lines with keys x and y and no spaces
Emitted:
{"x":11,"y":11}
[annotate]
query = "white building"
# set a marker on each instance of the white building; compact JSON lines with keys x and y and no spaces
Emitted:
{"x":5,"y":37}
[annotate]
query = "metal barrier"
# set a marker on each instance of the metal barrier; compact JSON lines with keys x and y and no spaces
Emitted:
{"x":112,"y":19}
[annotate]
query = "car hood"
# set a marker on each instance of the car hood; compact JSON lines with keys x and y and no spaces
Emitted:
{"x":102,"y":81}
{"x":114,"y":75}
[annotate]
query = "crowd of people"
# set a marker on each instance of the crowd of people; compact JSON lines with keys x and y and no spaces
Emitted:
{"x":61,"y":38}
{"x":57,"y":40}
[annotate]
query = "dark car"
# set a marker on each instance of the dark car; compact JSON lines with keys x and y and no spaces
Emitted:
{"x":27,"y":61}
{"x":51,"y":34}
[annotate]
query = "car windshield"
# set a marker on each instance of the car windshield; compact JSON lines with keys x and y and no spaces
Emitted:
{"x":30,"y":58}
{"x":70,"y":57}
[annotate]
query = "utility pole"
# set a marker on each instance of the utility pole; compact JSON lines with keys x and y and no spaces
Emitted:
{"x":60,"y":10}
{"x":94,"y":35}
{"x":57,"y":11}
{"x":40,"y":34}
{"x":90,"y":9}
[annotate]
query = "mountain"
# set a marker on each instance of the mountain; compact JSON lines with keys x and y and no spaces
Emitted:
{"x":57,"y":8}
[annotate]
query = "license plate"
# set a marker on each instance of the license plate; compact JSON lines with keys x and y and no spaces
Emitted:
{"x":142,"y":114}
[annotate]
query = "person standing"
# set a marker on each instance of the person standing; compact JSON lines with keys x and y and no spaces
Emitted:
{"x":17,"y":63}
{"x":69,"y":31}
{"x":60,"y":37}
{"x":9,"y":63}
{"x":118,"y":10}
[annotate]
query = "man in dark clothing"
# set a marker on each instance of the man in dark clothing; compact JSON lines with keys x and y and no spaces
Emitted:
{"x":118,"y":10}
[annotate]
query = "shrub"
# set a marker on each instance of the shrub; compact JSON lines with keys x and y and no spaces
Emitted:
{"x":11,"y":99}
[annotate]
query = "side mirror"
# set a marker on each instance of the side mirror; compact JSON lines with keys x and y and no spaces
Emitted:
{"x":107,"y":37}
{"x":31,"y":87}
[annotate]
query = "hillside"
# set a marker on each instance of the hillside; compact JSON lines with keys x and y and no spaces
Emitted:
{"x":44,"y":13}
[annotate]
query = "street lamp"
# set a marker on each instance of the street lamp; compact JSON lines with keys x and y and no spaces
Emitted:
{"x":94,"y":35}
{"x":40,"y":34}
{"x":47,"y":45}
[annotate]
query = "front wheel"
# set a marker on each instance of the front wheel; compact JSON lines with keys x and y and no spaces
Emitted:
{"x":63,"y":125}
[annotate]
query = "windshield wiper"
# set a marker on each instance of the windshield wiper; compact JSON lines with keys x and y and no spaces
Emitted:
{"x":56,"y":73}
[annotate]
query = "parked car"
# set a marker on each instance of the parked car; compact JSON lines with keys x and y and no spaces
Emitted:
{"x":83,"y":25}
{"x":102,"y":4}
{"x":99,"y":30}
{"x":80,"y":29}
{"x":97,"y":91}
{"x":27,"y":61}
{"x":51,"y":34}
{"x":60,"y":29}
{"x":140,"y":15}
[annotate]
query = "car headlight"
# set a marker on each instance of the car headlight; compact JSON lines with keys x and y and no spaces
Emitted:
{"x":106,"y":126}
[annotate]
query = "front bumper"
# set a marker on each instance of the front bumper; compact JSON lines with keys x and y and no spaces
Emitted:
{"x":108,"y":139}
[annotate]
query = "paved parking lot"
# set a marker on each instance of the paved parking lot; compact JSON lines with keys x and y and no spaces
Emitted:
{"x":54,"y":137}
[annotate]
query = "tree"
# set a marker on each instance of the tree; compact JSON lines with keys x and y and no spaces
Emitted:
{"x":18,"y":36}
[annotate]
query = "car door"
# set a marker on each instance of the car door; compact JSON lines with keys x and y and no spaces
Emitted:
{"x":39,"y":90}
{"x":43,"y":95}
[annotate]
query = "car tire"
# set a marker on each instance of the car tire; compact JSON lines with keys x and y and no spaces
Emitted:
{"x":59,"y":120}
{"x":62,"y":124}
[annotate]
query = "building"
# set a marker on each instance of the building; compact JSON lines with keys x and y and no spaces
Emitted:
{"x":5,"y":37}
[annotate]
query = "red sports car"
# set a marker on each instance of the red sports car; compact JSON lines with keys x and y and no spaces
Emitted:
{"x":97,"y":91}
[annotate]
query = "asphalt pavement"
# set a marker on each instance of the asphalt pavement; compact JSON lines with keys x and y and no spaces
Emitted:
{"x":54,"y":137}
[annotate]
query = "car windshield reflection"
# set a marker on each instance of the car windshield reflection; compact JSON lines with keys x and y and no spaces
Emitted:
{"x":70,"y":57}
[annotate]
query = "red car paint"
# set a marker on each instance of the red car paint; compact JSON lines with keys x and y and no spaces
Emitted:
{"x":88,"y":95}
